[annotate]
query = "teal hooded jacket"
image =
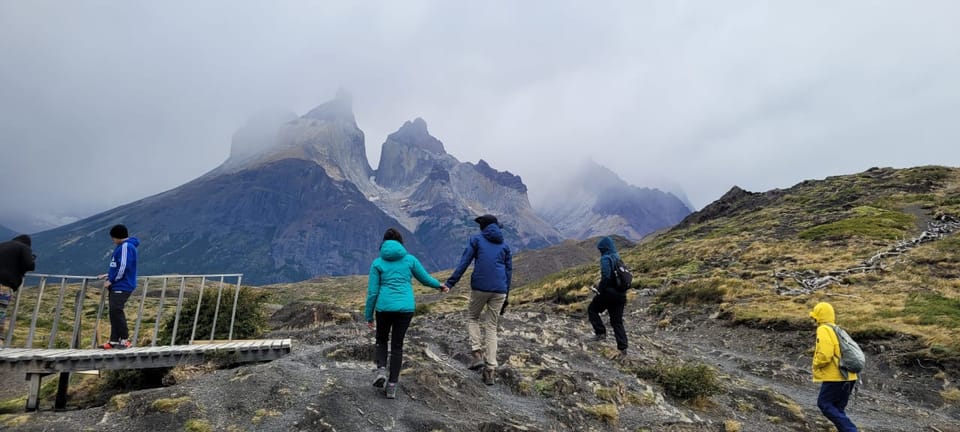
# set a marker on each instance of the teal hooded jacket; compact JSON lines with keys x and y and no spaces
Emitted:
{"x":388,"y":287}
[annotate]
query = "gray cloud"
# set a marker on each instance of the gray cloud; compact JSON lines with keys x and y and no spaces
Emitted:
{"x":102,"y":103}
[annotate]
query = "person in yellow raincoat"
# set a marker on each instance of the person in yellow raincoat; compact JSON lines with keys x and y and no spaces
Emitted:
{"x":836,"y":386}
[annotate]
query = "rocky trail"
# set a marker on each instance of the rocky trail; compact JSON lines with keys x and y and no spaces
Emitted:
{"x":549,"y":379}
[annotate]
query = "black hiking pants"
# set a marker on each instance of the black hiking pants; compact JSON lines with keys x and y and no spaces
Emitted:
{"x":392,"y":327}
{"x":118,"y":319}
{"x":614,"y":306}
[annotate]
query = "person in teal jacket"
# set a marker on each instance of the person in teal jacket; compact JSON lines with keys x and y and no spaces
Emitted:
{"x":390,"y":295}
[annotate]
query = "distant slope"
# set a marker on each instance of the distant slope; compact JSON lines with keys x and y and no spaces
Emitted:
{"x":6,"y":233}
{"x":593,"y":201}
{"x":739,"y":242}
{"x":281,"y":222}
{"x":534,"y":265}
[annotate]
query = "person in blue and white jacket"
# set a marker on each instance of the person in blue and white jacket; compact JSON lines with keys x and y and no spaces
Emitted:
{"x":121,"y":280}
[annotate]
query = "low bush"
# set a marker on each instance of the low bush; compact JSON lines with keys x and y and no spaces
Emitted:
{"x":690,"y":381}
{"x":685,"y":381}
{"x":695,"y":292}
{"x":249,"y":323}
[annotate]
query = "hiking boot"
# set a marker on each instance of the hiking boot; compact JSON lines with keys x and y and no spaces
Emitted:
{"x":597,"y":338}
{"x":123,"y":344}
{"x":391,"y":391}
{"x":381,"y":377}
{"x":489,"y":376}
{"x":622,"y":354}
{"x":476,"y":360}
{"x":109,"y":345}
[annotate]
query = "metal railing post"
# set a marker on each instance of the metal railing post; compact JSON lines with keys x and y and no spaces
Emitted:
{"x":216,"y":311}
{"x":56,"y":314}
{"x":233,"y":316}
{"x":96,"y":329}
{"x":196,"y":315}
{"x":176,"y":315}
{"x":143,"y":299}
{"x":78,"y":315}
{"x":13,"y":319}
{"x":36,"y":313}
{"x":156,"y":325}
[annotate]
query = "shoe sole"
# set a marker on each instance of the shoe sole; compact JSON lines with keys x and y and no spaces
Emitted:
{"x":476,"y":366}
{"x":379,"y":382}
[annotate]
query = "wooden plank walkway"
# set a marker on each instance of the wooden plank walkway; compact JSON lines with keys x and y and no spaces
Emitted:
{"x":72,"y":360}
{"x":37,"y":363}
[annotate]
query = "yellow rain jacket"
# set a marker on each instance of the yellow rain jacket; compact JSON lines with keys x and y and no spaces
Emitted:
{"x":826,"y":356}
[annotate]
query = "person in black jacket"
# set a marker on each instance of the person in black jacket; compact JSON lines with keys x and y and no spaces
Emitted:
{"x":16,"y":259}
{"x":608,"y":298}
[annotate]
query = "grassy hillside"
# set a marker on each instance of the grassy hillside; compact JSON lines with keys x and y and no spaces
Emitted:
{"x":735,"y":246}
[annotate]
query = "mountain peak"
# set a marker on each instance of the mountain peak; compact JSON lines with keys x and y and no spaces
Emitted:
{"x":338,"y":109}
{"x":503,"y":178}
{"x":408,"y":154}
{"x":415,"y":134}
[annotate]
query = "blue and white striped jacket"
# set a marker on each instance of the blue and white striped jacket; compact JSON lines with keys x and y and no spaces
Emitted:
{"x":123,"y":267}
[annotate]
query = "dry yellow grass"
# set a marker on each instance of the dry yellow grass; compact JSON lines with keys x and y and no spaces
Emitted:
{"x":169,"y":405}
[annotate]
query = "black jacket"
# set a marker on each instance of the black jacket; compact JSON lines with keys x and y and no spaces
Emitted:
{"x":16,"y":259}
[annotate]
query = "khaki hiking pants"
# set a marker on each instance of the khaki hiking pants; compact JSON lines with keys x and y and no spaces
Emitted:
{"x":484,"y":311}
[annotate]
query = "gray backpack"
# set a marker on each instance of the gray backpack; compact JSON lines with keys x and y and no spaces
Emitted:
{"x":851,"y":356}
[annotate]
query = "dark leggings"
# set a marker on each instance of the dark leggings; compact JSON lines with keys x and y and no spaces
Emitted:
{"x":613,"y":305}
{"x":398,"y":322}
{"x":118,"y":319}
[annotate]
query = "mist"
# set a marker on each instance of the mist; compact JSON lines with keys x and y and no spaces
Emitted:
{"x":104,"y":103}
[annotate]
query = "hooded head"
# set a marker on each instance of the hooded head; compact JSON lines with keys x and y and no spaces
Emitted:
{"x":606,"y":246}
{"x":23,"y":238}
{"x":486,"y":220}
{"x":392,"y":250}
{"x":823,"y":313}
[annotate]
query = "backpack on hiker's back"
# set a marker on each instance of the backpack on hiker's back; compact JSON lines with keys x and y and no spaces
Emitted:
{"x":622,"y":276}
{"x":851,"y":356}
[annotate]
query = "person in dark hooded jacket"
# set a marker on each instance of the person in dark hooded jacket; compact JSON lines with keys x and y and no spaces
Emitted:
{"x":608,"y":298}
{"x":16,"y":259}
{"x":490,"y":284}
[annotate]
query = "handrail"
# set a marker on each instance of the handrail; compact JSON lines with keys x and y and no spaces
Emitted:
{"x":83,"y":292}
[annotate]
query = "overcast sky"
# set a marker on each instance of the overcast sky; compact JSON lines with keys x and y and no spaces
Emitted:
{"x":106,"y":102}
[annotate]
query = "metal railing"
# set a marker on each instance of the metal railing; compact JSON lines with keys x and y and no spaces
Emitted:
{"x":83,"y":291}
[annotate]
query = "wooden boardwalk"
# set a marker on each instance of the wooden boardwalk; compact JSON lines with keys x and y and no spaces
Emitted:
{"x":81,"y":297}
{"x":37,"y":363}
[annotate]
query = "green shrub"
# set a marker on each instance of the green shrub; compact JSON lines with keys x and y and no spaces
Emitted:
{"x":869,"y":222}
{"x":689,"y":381}
{"x":423,"y":309}
{"x":695,"y":292}
{"x":934,"y":309}
{"x":250,"y":321}
{"x":656,"y":309}
{"x":125,"y":380}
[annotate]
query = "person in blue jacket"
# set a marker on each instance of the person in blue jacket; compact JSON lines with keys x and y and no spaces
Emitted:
{"x":490,"y":284}
{"x":121,"y":280}
{"x":390,"y":295}
{"x":608,"y":298}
